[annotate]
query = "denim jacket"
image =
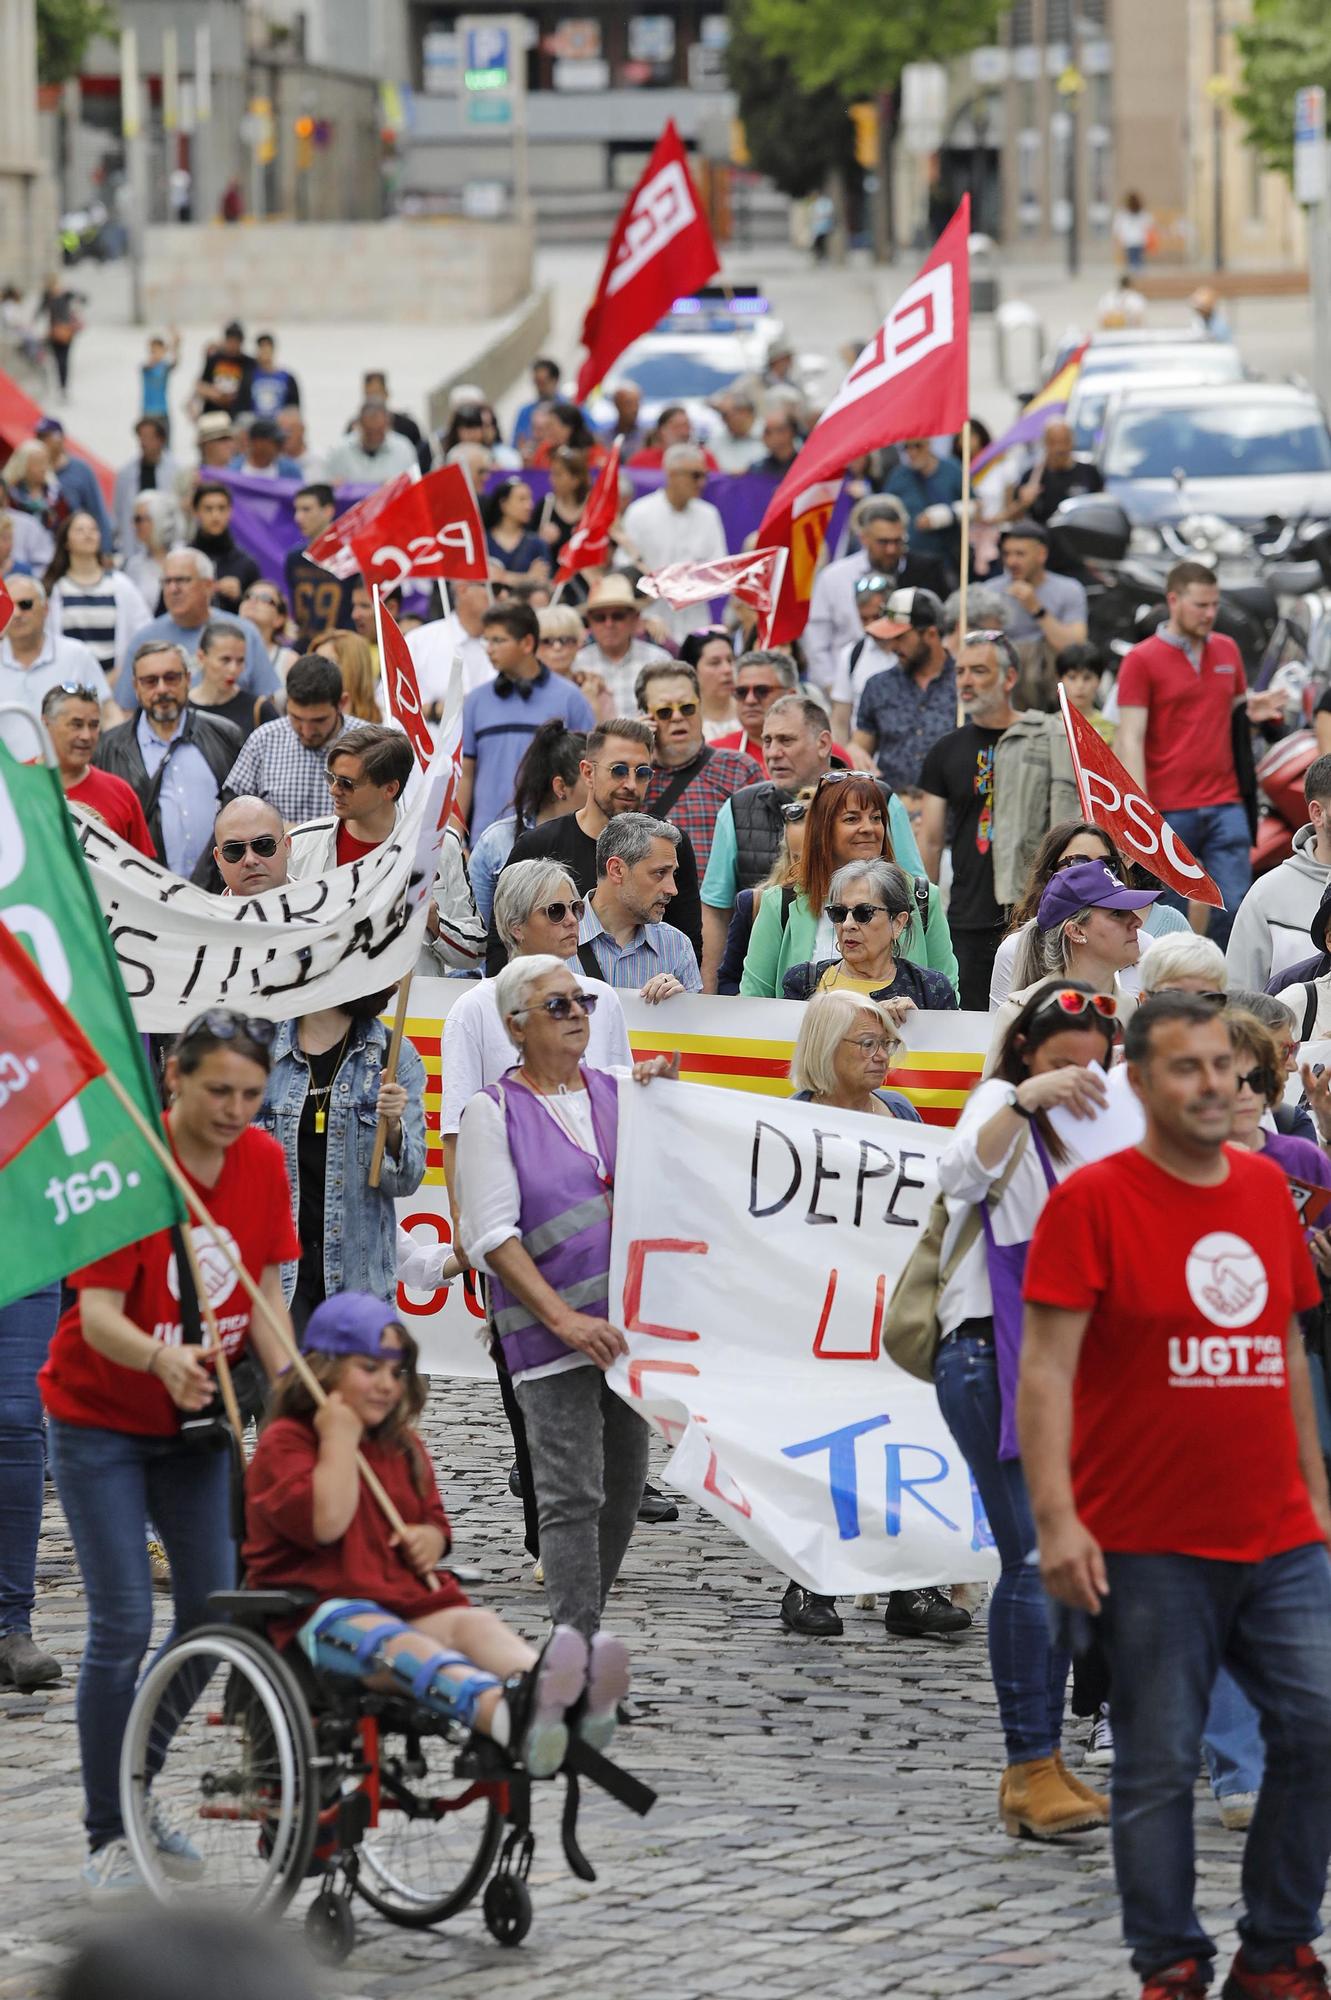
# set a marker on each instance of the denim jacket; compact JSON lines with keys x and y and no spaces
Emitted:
{"x":360,"y":1228}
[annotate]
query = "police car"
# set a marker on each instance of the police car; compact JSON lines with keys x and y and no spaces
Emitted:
{"x":706,"y":342}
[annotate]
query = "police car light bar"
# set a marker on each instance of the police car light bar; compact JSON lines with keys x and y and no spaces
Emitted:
{"x":712,"y":299}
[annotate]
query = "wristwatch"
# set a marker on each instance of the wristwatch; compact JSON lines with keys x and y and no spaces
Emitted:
{"x":1040,"y":611}
{"x":1014,"y":1103}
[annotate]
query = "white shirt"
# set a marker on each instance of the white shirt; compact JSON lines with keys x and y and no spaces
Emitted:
{"x":59,"y":660}
{"x":432,"y":648}
{"x":964,"y":1182}
{"x":834,"y":621}
{"x":849,"y":682}
{"x":476,"y":1050}
{"x":350,"y":460}
{"x":737,"y":454}
{"x":620,"y":676}
{"x":663,"y":534}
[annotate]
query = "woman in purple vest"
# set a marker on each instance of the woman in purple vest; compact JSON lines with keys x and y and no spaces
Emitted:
{"x":536,"y":1170}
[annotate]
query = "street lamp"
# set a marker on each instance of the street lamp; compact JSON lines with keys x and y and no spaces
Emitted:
{"x":1071,"y":88}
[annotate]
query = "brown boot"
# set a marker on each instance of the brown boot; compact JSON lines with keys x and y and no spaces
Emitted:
{"x":1034,"y":1803}
{"x":1100,"y":1800}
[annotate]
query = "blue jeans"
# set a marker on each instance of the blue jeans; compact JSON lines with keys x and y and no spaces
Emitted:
{"x":1168,"y":1623}
{"x":26,"y":1328}
{"x":110,"y":1482}
{"x":1029,"y":1673}
{"x":1218,"y":838}
{"x":1232,"y":1740}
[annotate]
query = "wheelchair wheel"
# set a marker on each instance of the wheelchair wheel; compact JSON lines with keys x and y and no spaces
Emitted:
{"x":507,"y":1909}
{"x":218,"y":1758}
{"x":422,"y":1863}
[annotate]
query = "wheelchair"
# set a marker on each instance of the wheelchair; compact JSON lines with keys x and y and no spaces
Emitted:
{"x":277,"y":1774}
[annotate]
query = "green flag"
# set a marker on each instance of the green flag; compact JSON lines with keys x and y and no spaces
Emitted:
{"x":89,"y":1183}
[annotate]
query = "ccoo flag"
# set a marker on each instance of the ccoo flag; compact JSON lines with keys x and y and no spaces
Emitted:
{"x":589,"y":544}
{"x":87,"y":1183}
{"x":912,"y":380}
{"x":661,"y":249}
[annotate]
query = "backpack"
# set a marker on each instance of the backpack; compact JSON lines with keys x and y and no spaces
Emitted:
{"x":910,"y":1329}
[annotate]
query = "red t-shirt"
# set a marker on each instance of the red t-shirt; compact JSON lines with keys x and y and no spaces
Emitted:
{"x":281,"y":1552}
{"x":351,"y":849}
{"x":252,"y":1203}
{"x":118,"y":804}
{"x":1183,"y":1437}
{"x":1189,"y":749}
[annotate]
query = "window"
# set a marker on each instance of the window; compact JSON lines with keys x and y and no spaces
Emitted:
{"x":1057,"y":21}
{"x":1020,"y":30}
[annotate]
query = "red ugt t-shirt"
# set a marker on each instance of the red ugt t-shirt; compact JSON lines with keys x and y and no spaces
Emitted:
{"x":1183,"y":1436}
{"x":117,"y":803}
{"x":1189,"y":748}
{"x":251,"y":1203}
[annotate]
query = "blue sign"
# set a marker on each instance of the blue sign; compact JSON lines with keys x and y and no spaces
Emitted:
{"x":487,"y":48}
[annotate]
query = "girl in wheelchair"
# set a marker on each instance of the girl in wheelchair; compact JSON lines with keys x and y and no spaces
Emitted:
{"x":312,"y":1522}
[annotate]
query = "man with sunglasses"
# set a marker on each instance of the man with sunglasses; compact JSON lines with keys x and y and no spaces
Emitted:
{"x":251,"y":847}
{"x":834,"y":623}
{"x":617,"y":649}
{"x":693,"y":779}
{"x":33,"y":661}
{"x":176,"y":757}
{"x":677,"y":525}
{"x":761,"y":678}
{"x":73,"y":722}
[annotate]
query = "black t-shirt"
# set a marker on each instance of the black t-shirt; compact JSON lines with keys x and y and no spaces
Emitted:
{"x":563,"y":840}
{"x":312,"y":1163}
{"x":959,"y":767}
{"x":1059,"y":484}
{"x":233,"y":373}
{"x":319,"y":601}
{"x":240,"y":710}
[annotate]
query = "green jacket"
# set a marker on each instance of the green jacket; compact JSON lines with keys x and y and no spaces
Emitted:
{"x":776,"y":945}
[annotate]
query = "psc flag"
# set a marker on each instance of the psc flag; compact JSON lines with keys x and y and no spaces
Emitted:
{"x":88,"y":1183}
{"x":45,"y":1057}
{"x":661,"y":250}
{"x":401,"y":688}
{"x":1112,"y":798}
{"x":432,"y":528}
{"x":333,"y":550}
{"x":589,"y":544}
{"x":912,"y":380}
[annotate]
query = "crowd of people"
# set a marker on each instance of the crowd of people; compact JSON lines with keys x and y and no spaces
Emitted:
{"x":878,"y":820}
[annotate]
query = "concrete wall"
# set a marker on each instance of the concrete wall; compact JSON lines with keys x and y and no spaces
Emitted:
{"x":404,"y":273}
{"x":27,"y":201}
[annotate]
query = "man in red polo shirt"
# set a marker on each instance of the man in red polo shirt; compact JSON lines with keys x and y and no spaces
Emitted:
{"x":1177,"y":692}
{"x":1169,"y":1443}
{"x":73,"y":718}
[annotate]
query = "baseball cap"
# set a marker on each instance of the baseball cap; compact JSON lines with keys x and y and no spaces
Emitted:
{"x":910,"y":610}
{"x":48,"y":427}
{"x":351,"y":1323}
{"x":1088,"y":885}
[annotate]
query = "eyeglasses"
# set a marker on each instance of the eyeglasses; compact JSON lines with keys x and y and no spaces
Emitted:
{"x":177,"y":582}
{"x":869,"y":1045}
{"x":1067,"y":1000}
{"x":558,"y":911}
{"x":863,"y":913}
{"x":1259,"y":1081}
{"x":561,"y":639}
{"x":337,"y":783}
{"x":224,"y":1026}
{"x":756,"y":691}
{"x":560,"y":1006}
{"x":642,"y":772}
{"x":669,"y":709}
{"x":236,"y":850}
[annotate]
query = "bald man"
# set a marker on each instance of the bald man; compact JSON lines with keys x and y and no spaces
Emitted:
{"x":1059,"y":474}
{"x":251,"y":847}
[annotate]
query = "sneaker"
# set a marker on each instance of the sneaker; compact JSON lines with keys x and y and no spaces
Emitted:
{"x":1304,"y":1978}
{"x":607,"y":1685}
{"x":158,"y":1564}
{"x":1100,"y":1743}
{"x":924,"y":1614}
{"x":1185,"y":1981}
{"x":656,"y":1506}
{"x":538,"y":1702}
{"x":538,"y":1571}
{"x":24,"y":1665}
{"x":179,"y":1858}
{"x":110,"y":1875}
{"x":1237,"y":1809}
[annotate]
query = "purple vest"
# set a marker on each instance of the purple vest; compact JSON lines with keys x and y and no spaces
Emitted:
{"x":564,"y":1218}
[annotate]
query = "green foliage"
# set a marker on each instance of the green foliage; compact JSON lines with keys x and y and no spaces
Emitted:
{"x":64,"y":30}
{"x":795,"y":136}
{"x":1286,"y":46}
{"x":860,"y":49}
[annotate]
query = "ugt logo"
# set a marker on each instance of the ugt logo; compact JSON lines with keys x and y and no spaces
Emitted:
{"x":663,"y":208}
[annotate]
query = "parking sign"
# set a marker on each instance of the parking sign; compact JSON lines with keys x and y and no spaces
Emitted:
{"x":1310,"y":145}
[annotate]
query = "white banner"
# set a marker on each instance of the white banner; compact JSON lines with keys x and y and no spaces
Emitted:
{"x":756,"y":1247}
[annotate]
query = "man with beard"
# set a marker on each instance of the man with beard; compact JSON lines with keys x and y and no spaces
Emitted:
{"x":175,"y":757}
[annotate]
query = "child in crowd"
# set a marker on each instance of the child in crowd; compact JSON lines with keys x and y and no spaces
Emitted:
{"x":1079,"y":669}
{"x":155,"y":374}
{"x":313,"y":1523}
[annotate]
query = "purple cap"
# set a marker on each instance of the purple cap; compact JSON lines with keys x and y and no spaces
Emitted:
{"x":351,"y":1323}
{"x":1088,"y":885}
{"x":48,"y":427}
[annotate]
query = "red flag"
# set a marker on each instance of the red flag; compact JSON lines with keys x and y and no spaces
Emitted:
{"x":589,"y":544}
{"x":6,"y":607}
{"x":332,"y":549}
{"x":1111,"y":797}
{"x":912,"y":380}
{"x":401,"y":689}
{"x":432,"y":529}
{"x":799,"y":529}
{"x":661,"y":249}
{"x":45,"y":1057}
{"x":750,"y":577}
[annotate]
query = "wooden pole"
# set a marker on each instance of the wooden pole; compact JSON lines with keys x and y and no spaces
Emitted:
{"x":390,"y":1076}
{"x":224,"y":1381}
{"x":257,"y":1299}
{"x":965,"y":543}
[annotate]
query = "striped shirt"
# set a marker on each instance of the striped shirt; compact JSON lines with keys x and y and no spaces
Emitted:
{"x":89,"y":614}
{"x":653,"y":949}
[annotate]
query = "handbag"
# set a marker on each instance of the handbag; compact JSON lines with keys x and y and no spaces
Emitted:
{"x":911,"y":1332}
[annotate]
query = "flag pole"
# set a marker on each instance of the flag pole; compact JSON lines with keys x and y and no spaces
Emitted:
{"x":390,"y":1076}
{"x":965,"y":543}
{"x":162,"y":1153}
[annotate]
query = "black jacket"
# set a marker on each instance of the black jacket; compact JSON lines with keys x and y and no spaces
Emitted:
{"x":218,"y":740}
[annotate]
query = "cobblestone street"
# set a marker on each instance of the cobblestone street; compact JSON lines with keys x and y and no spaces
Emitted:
{"x":826,"y":1816}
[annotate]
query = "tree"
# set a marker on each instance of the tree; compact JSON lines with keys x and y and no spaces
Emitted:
{"x":64,"y":30}
{"x":769,"y":94}
{"x":859,"y":51}
{"x":1286,"y":45}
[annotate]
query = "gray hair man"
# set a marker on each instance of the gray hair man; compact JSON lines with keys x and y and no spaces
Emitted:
{"x":677,"y":525}
{"x":188,"y":577}
{"x":834,"y":623}
{"x":175,"y":756}
{"x":623,"y":927}
{"x":33,"y":660}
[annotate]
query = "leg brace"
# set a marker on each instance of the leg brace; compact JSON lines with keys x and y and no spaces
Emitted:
{"x":335,"y":1644}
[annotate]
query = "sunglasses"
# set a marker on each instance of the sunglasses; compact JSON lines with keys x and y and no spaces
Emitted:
{"x":167,"y":680}
{"x":863,"y":913}
{"x":560,"y":1006}
{"x":793,"y":814}
{"x":262,"y":597}
{"x":558,"y":911}
{"x":1259,"y":1081}
{"x":23,"y":603}
{"x":613,"y":617}
{"x":992,"y":636}
{"x":561,"y":639}
{"x":225,"y":1027}
{"x":700,"y":476}
{"x":756,"y":691}
{"x":74,"y":687}
{"x":669,"y":709}
{"x":336,"y":783}
{"x":236,"y":850}
{"x":642,"y":772}
{"x":1067,"y":1000}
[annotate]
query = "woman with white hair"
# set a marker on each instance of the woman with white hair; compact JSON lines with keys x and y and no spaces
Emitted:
{"x":562,"y":633}
{"x":158,"y":528}
{"x":1183,"y":962}
{"x":536,"y":1158}
{"x":874,"y":915}
{"x":32,"y":488}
